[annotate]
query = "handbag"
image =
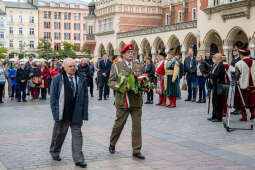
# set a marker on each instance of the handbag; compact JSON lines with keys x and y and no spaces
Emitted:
{"x":31,"y":84}
{"x":184,"y":86}
{"x":222,"y":89}
{"x":42,"y":84}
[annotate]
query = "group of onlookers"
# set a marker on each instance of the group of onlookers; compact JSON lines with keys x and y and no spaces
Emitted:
{"x":34,"y":78}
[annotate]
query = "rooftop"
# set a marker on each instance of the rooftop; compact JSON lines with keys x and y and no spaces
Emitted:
{"x":23,"y":5}
{"x":66,"y":1}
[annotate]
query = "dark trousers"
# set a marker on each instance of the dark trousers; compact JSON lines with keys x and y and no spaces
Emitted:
{"x":201,"y":85}
{"x":21,"y":88}
{"x":44,"y":93}
{"x":14,"y":91}
{"x":59,"y":133}
{"x":150,"y":95}
{"x":217,"y":101}
{"x":91,"y":86}
{"x":103,"y":87}
{"x":192,"y":86}
{"x":1,"y":92}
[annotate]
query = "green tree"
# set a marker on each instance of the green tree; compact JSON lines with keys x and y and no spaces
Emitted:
{"x":3,"y":52}
{"x":45,"y":51}
{"x":85,"y":50}
{"x":67,"y":51}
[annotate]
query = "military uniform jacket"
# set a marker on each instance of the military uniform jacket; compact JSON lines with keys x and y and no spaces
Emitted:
{"x":135,"y":100}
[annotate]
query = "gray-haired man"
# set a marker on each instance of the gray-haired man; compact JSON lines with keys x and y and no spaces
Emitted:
{"x":69,"y":105}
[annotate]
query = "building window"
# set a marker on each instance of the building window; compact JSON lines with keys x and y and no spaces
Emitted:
{"x":31,"y":19}
{"x":57,"y":35}
{"x":194,"y":13}
{"x":180,"y":16}
{"x":76,"y":36}
{"x":56,"y":25}
{"x":46,"y":35}
{"x":76,"y":26}
{"x":11,"y":30}
{"x":31,"y":44}
{"x":20,"y":44}
{"x":47,"y":14}
{"x":215,"y":2}
{"x":46,"y":24}
{"x":57,"y":15}
{"x":20,"y":31}
{"x":110,"y":24}
{"x":100,"y":26}
{"x":84,"y":26}
{"x":67,"y":15}
{"x":67,"y":36}
{"x":31,"y":31}
{"x":76,"y":16}
{"x":2,"y":35}
{"x":84,"y":37}
{"x":11,"y":44}
{"x":167,"y":19}
{"x":67,"y":26}
{"x":90,"y":29}
{"x":20,"y":19}
{"x":57,"y":46}
{"x":11,"y":18}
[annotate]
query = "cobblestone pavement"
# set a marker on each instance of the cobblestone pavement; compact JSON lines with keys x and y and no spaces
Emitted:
{"x":173,"y":139}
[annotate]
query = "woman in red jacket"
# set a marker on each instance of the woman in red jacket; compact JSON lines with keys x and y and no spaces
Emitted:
{"x":54,"y":70}
{"x":45,"y":75}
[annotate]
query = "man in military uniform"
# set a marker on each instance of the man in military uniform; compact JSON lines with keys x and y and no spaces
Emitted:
{"x":160,"y":73}
{"x":123,"y":107}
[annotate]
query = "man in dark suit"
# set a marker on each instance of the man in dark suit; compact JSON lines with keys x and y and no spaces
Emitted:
{"x":69,"y":106}
{"x":217,"y":75}
{"x":105,"y":68}
{"x":190,"y":69}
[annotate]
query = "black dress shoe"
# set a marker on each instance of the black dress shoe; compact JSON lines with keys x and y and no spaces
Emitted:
{"x":210,"y":119}
{"x":112,"y":149}
{"x":100,"y":99}
{"x":24,"y":100}
{"x":1,"y":102}
{"x":216,"y":120}
{"x":151,"y":102}
{"x":193,"y":100}
{"x":139,"y":156}
{"x":199,"y":101}
{"x":105,"y":98}
{"x":81,"y":164}
{"x":56,"y":158}
{"x":148,"y":102}
{"x":203,"y":101}
{"x":187,"y":100}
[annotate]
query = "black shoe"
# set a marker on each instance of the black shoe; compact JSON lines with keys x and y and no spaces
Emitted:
{"x":199,"y":101}
{"x":148,"y":102}
{"x":210,"y":119}
{"x":236,"y":112}
{"x":151,"y":102}
{"x":100,"y":99}
{"x":81,"y":164}
{"x":216,"y":120}
{"x":187,"y":100}
{"x":105,"y":98}
{"x":24,"y":100}
{"x":92,"y":95}
{"x":203,"y":101}
{"x":56,"y":158}
{"x":19,"y":100}
{"x":193,"y":100}
{"x":139,"y":156}
{"x":112,"y":149}
{"x":1,"y":102}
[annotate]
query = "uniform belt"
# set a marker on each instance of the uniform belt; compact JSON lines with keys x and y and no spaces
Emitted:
{"x":169,"y":72}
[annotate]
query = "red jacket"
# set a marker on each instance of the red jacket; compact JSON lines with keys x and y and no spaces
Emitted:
{"x":44,"y":75}
{"x":53,"y":73}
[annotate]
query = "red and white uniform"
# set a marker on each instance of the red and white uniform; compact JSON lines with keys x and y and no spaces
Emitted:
{"x":160,"y":71}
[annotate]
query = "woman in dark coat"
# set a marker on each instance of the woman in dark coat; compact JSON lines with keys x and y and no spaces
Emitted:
{"x":45,"y":73}
{"x":150,"y":70}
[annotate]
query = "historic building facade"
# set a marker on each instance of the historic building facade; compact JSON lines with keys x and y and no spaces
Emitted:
{"x":62,"y":21}
{"x":3,"y":28}
{"x":22,"y":27}
{"x":159,"y":25}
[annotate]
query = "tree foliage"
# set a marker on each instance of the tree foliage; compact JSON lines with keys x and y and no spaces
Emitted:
{"x":3,"y":52}
{"x":45,"y":51}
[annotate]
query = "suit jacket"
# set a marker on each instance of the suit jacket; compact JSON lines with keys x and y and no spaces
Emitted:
{"x":150,"y":70}
{"x":218,"y":75}
{"x":190,"y":65}
{"x":136,"y":100}
{"x":105,"y":68}
{"x":235,"y":60}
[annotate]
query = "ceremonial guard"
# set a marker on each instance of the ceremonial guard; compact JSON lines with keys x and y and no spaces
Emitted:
{"x":160,"y":73}
{"x":170,"y":80}
{"x":245,"y":69}
{"x":130,"y":104}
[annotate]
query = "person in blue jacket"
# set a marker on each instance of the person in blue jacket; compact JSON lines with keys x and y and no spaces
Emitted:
{"x":12,"y":76}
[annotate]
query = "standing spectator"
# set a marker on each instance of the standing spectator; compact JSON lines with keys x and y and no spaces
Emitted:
{"x":209,"y":64}
{"x":236,"y":57}
{"x":28,"y":68}
{"x":22,"y":78}
{"x":98,"y":72}
{"x":13,"y":78}
{"x":190,"y":68}
{"x":218,"y":77}
{"x":3,"y":77}
{"x":91,"y":71}
{"x":45,"y":75}
{"x":8,"y":66}
{"x":54,"y":70}
{"x":150,"y":70}
{"x":83,"y":68}
{"x":181,"y":72}
{"x":201,"y":79}
{"x":35,"y":81}
{"x":105,"y":68}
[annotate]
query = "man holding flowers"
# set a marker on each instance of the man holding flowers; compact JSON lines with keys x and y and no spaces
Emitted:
{"x":129,"y":82}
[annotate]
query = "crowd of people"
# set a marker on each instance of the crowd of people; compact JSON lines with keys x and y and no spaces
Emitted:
{"x":33,"y":78}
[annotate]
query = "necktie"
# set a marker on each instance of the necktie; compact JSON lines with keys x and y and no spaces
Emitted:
{"x":72,"y":84}
{"x":105,"y":62}
{"x":129,"y":65}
